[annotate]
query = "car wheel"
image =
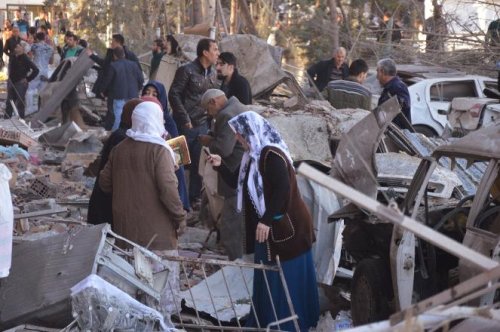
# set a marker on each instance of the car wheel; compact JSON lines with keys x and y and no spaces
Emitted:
{"x":424,"y":130}
{"x":371,"y":291}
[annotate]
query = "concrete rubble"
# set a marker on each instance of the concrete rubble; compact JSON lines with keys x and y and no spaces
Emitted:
{"x":67,"y":274}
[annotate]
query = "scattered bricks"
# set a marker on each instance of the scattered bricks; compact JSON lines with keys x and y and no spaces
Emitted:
{"x":16,"y":137}
{"x":42,"y":187}
{"x":56,"y":177}
{"x":17,"y":201}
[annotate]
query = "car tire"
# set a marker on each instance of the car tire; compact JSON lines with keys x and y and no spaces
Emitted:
{"x":371,"y":291}
{"x":424,"y":130}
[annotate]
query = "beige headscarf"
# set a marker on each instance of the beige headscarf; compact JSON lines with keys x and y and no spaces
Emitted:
{"x":147,"y":125}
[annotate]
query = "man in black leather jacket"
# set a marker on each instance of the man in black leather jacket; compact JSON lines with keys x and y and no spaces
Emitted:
{"x":189,"y":84}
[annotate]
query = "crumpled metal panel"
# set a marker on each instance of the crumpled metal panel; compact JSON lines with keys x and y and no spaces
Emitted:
{"x":396,"y":170}
{"x":425,"y":146}
{"x":322,"y":203}
{"x":60,"y":89}
{"x":354,"y":160}
{"x":483,"y":143}
{"x":43,"y":271}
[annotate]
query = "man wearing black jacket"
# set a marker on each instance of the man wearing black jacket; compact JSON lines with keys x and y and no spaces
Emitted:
{"x":329,"y":70}
{"x":189,"y":84}
{"x":122,"y":82}
{"x":104,"y":64}
{"x":233,"y":84}
{"x":12,"y":42}
{"x":21,"y":71}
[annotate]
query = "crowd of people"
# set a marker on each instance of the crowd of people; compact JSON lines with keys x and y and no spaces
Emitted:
{"x":146,"y":195}
{"x":29,"y":50}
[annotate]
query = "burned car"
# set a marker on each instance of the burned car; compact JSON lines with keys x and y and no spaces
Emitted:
{"x":392,"y":267}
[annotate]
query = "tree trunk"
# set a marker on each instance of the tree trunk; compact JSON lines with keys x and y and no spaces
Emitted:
{"x":208,"y":12}
{"x":249,"y":25}
{"x":234,"y":17}
{"x":181,"y":10}
{"x":335,"y":24}
{"x":197,"y":14}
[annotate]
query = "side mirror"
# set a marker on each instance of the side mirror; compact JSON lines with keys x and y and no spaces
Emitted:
{"x":443,"y":112}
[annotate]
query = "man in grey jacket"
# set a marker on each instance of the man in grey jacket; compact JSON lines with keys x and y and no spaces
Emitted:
{"x":222,"y":142}
{"x":189,"y":84}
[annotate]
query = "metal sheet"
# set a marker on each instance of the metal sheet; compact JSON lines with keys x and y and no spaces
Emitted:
{"x":396,"y":171}
{"x":74,"y":75}
{"x":43,"y":271}
{"x":214,"y":287}
{"x":354,"y":160}
{"x":322,"y":203}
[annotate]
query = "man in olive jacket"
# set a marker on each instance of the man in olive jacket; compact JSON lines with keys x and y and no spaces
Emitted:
{"x":189,"y":84}
{"x":222,"y":142}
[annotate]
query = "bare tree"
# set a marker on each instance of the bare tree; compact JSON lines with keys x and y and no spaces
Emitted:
{"x":234,"y":17}
{"x":335,"y":25}
{"x":247,"y":17}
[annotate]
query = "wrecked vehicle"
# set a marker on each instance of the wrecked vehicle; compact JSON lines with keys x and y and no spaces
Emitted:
{"x":392,"y":268}
{"x":469,"y":114}
{"x":431,"y":95}
{"x":432,"y":89}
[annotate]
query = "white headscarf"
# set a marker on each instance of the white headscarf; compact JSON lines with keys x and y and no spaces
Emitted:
{"x":258,"y":133}
{"x":147,"y":125}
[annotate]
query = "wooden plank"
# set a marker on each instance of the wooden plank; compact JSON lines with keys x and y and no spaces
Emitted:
{"x":39,"y":213}
{"x":391,"y":215}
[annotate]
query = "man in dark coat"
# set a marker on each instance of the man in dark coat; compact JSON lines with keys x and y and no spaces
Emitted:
{"x":329,"y":70}
{"x":122,"y":82}
{"x":104,"y":63}
{"x":222,"y":142}
{"x":233,"y":84}
{"x":21,"y":71}
{"x":12,"y":42}
{"x":393,"y":86}
{"x":189,"y":84}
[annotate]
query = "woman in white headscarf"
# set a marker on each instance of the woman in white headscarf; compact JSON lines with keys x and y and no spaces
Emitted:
{"x":277,"y":223}
{"x":140,"y":174}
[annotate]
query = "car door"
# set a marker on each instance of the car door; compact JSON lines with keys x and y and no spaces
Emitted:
{"x":441,"y":93}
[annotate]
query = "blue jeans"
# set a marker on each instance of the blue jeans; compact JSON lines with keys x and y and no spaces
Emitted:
{"x":117,"y":112}
{"x":194,"y":151}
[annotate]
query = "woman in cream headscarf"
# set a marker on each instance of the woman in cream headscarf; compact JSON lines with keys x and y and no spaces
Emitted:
{"x":140,"y":174}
